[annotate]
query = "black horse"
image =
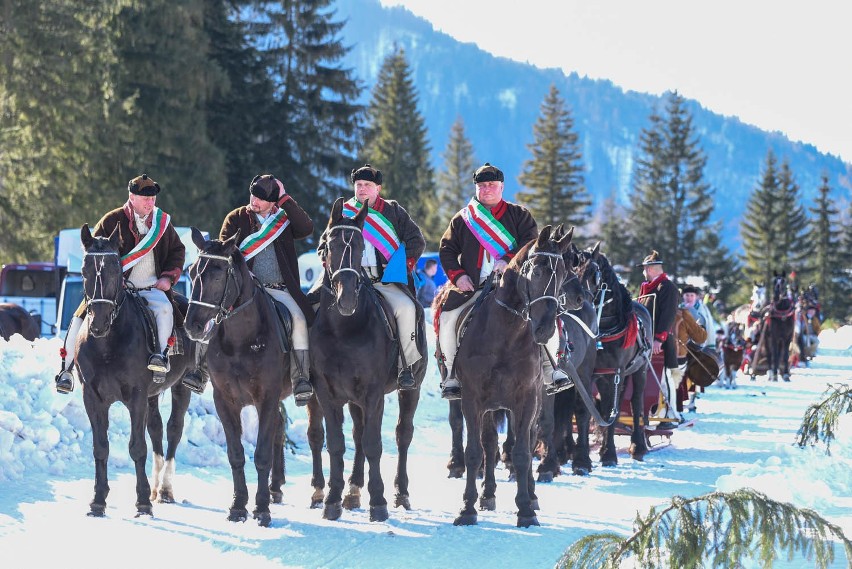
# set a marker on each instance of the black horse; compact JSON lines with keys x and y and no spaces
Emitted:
{"x":111,"y":358}
{"x":248,"y":361}
{"x":625,"y":336}
{"x":733,"y":350}
{"x":354,"y":362}
{"x":14,"y":319}
{"x":502,"y":369}
{"x":778,"y":329}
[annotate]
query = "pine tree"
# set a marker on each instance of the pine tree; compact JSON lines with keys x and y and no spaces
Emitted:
{"x":454,"y":185}
{"x":396,"y":144}
{"x":759,"y":231}
{"x":615,"y":242}
{"x":671,"y":201}
{"x":554,"y":175}
{"x":793,"y":246}
{"x":719,"y":266}
{"x":826,"y":258}
{"x":310,"y":135}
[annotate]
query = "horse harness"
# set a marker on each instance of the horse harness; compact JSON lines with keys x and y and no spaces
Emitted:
{"x":524,"y":313}
{"x":222,"y":313}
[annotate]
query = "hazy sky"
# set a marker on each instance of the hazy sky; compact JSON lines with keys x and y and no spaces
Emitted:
{"x":782,"y":65}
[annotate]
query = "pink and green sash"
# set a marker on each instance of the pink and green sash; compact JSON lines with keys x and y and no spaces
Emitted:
{"x":159,"y":223}
{"x":377,"y":229}
{"x":488,"y":231}
{"x":271,"y":228}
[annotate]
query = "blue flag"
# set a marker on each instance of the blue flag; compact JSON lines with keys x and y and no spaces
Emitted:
{"x":396,"y":270}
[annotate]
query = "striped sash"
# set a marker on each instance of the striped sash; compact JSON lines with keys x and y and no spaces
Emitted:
{"x":159,"y":223}
{"x":271,"y":228}
{"x":488,"y":231}
{"x":377,"y":229}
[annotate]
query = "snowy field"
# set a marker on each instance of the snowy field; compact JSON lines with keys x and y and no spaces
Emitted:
{"x":742,"y":438}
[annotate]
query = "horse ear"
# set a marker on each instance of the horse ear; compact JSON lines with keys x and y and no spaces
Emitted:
{"x":198,"y":238}
{"x":566,"y":238}
{"x":596,"y":249}
{"x":362,"y":215}
{"x":86,"y":236}
{"x":336,"y":212}
{"x":115,"y":238}
{"x":559,"y":231}
{"x":231,"y":242}
{"x":544,"y":236}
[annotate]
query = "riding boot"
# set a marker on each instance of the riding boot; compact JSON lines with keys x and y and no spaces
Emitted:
{"x":405,"y":379}
{"x":300,"y":365}
{"x":555,"y":378}
{"x":196,"y":380}
{"x":159,"y":365}
{"x":65,"y":378}
{"x":690,"y":406}
{"x":667,"y":409}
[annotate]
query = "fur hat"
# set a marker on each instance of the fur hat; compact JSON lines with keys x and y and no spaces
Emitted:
{"x":487,"y":173}
{"x":368,"y":173}
{"x":266,"y":187}
{"x":143,"y":186}
{"x":652,"y":259}
{"x":690,"y":288}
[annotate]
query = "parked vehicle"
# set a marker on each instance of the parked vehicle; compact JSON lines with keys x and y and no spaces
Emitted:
{"x":32,"y":286}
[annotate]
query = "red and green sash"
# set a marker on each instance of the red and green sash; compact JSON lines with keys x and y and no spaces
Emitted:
{"x":488,"y":231}
{"x":271,"y":228}
{"x":377,"y":229}
{"x":160,"y":221}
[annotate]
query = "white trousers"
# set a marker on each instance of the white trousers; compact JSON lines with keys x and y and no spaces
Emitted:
{"x":300,"y":325}
{"x":405,"y":312}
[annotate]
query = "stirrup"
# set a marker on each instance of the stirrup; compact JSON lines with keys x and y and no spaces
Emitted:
{"x":558,"y":385}
{"x":159,"y":362}
{"x":64,"y":381}
{"x":451,"y":389}
{"x":302,"y":392}
{"x":195,"y":381}
{"x":405,"y":379}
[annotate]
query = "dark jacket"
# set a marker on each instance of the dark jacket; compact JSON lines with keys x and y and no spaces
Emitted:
{"x":664,"y":308}
{"x":300,"y":226}
{"x":408,"y":232}
{"x":461,"y":253}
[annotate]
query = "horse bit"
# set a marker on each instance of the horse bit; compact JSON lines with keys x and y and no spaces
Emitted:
{"x":99,"y":281}
{"x":346,"y":255}
{"x":221,"y":312}
{"x":553,"y":259}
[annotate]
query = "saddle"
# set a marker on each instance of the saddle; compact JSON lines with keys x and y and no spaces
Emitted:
{"x":385,"y":309}
{"x":179,"y":307}
{"x":285,"y":330}
{"x":461,"y":324}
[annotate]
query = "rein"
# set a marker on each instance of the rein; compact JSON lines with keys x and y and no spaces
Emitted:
{"x":90,"y":300}
{"x":524,"y":313}
{"x":222,"y":313}
{"x":345,"y":256}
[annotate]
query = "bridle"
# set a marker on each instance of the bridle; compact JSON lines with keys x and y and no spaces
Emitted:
{"x":224,"y":308}
{"x":526,"y":268}
{"x":115,"y":302}
{"x":345,"y":257}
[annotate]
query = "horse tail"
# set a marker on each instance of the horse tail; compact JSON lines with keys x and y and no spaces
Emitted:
{"x":501,"y":420}
{"x":438,"y":301}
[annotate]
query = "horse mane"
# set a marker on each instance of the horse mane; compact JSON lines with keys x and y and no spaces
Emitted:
{"x":620,"y":295}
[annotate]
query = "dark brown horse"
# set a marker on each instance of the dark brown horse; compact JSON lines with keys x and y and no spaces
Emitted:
{"x":248,"y":361}
{"x":625,"y":335}
{"x":14,"y":319}
{"x":501,"y":368}
{"x":778,"y":329}
{"x":354,"y":362}
{"x":733,"y":348}
{"x":111,"y":358}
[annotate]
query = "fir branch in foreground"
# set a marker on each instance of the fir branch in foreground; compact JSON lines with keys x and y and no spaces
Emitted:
{"x":821,"y":418}
{"x":714,"y":530}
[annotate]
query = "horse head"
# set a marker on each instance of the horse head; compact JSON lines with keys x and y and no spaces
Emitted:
{"x":217,"y":279}
{"x":779,"y":287}
{"x":573,"y":292}
{"x":344,"y":247}
{"x":758,"y":296}
{"x":103,"y":280}
{"x":534,"y":278}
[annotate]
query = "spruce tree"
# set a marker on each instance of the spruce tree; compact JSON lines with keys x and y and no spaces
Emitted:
{"x":671,"y":201}
{"x":826,"y":258}
{"x":554,"y":175}
{"x":396,"y":144}
{"x":844,"y":283}
{"x":309,"y":136}
{"x":615,"y":241}
{"x":454,"y":185}
{"x":760,"y":231}
{"x":793,"y":246}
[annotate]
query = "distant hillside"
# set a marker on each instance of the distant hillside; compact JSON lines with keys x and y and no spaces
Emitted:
{"x":499,"y":101}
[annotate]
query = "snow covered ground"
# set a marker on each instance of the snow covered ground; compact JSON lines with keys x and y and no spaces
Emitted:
{"x":742,"y":438}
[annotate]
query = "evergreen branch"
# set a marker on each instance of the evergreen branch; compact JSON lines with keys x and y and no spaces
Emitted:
{"x":821,"y":418}
{"x":718,"y":529}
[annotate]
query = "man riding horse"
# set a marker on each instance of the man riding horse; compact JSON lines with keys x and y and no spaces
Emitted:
{"x":482,"y":238}
{"x":660,"y":296}
{"x":392,"y":245}
{"x":152,"y":257}
{"x":268,"y":227}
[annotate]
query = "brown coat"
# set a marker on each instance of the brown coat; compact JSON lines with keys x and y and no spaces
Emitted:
{"x":461,"y":253}
{"x":687,"y":328}
{"x":300,"y":227}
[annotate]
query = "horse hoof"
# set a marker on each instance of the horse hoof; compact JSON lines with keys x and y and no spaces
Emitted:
{"x":378,"y":513}
{"x":489,"y":504}
{"x":96,"y":510}
{"x":402,"y":500}
{"x":237,"y":515}
{"x":166,"y":497}
{"x":527,"y":521}
{"x":545,"y":477}
{"x":786,"y":377}
{"x":465,"y":520}
{"x":511,"y":477}
{"x":351,"y":502}
{"x":609,"y":463}
{"x":263,"y":518}
{"x":277,"y":496}
{"x":316,"y":503}
{"x":332,"y":511}
{"x":144,"y":512}
{"x":456,"y":472}
{"x":580,"y":471}
{"x":534,"y":504}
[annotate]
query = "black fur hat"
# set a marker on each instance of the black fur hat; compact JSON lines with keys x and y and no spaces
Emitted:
{"x":487,"y":173}
{"x":265,"y":187}
{"x":143,"y":186}
{"x":366,"y":172}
